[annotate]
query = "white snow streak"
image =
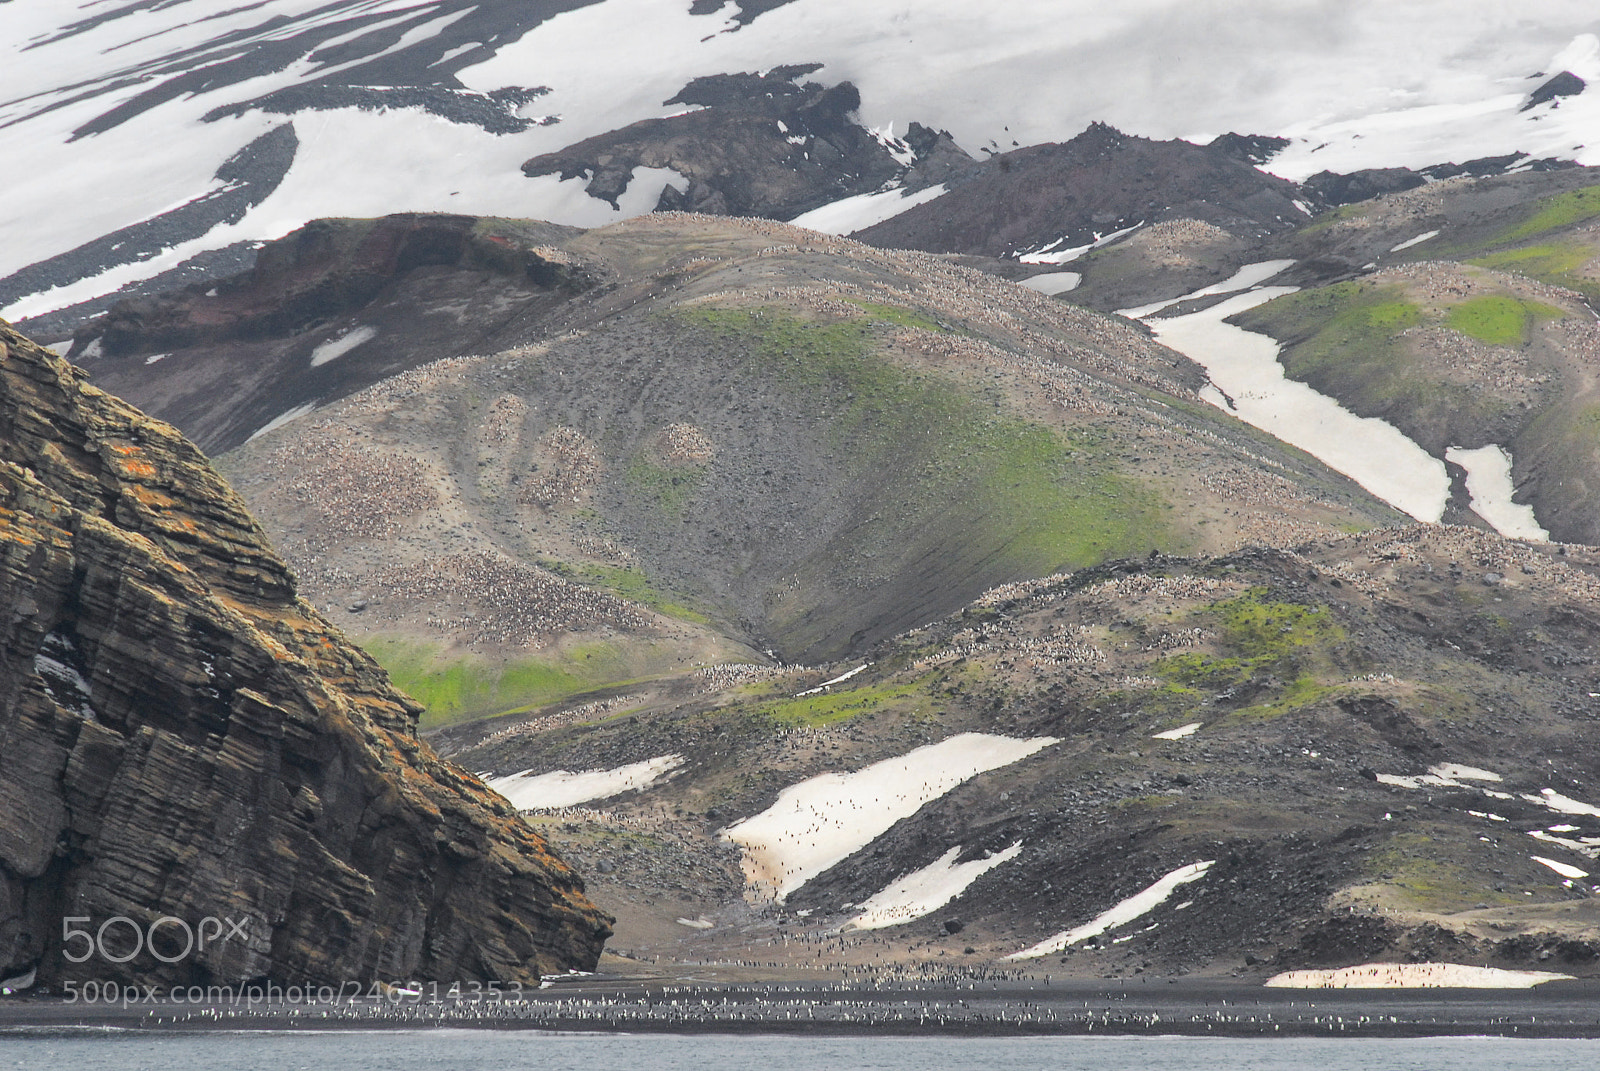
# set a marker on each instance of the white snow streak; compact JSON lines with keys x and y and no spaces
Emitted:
{"x":281,"y":419}
{"x":825,"y":819}
{"x":1564,"y":869}
{"x":335,"y":348}
{"x":925,"y":891}
{"x":1489,"y":484}
{"x":1412,"y":976}
{"x":1244,"y":366}
{"x":851,"y":214}
{"x":1418,"y":240}
{"x":1135,"y":906}
{"x":529,"y":791}
{"x":1052,"y":283}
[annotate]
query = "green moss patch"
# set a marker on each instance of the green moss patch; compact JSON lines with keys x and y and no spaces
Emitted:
{"x":945,"y":462}
{"x":1552,"y":213}
{"x":668,"y":489}
{"x":826,"y":708}
{"x":1258,"y":637}
{"x":1345,"y":340}
{"x":894,"y":314}
{"x":1557,"y":263}
{"x":457,"y":688}
{"x":1498,"y":319}
{"x":635,"y":585}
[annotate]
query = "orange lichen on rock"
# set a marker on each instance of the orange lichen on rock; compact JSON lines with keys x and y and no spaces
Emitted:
{"x":185,"y":736}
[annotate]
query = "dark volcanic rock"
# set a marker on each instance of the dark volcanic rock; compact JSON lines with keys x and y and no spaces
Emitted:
{"x":1252,"y":149}
{"x":185,"y":737}
{"x":231,"y":356}
{"x":1100,"y":181}
{"x":760,"y":145}
{"x":1565,"y":84}
{"x":1334,"y":189}
{"x":247,"y":177}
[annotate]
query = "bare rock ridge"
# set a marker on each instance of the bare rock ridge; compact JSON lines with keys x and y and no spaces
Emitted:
{"x":757,"y":145}
{"x":419,"y":282}
{"x":1071,"y":193}
{"x":182,"y":736}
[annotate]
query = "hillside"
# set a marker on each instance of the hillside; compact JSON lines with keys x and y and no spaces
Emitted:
{"x":1373,"y":747}
{"x":737,"y":437}
{"x":1475,"y":326}
{"x":1041,"y":200}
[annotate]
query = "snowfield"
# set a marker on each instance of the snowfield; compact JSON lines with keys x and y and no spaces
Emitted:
{"x":830,"y":817}
{"x":1412,"y":976}
{"x":1244,"y":366}
{"x":1361,"y":84}
{"x":529,"y":791}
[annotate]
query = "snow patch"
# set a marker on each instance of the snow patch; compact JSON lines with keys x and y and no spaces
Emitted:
{"x":925,"y":891}
{"x":1247,"y":277}
{"x":154,"y":357}
{"x":1412,"y":976}
{"x":1440,"y":775}
{"x":1244,"y":366}
{"x":1049,"y":254}
{"x":837,"y":680}
{"x":828,"y":818}
{"x":1179,"y":733}
{"x":1135,"y":906}
{"x":1418,"y":240}
{"x":333,"y":349}
{"x":1052,"y":283}
{"x":1554,"y":800}
{"x":281,"y":419}
{"x":851,"y":214}
{"x":696,"y":924}
{"x":529,"y":791}
{"x":1489,"y":484}
{"x":1564,"y":869}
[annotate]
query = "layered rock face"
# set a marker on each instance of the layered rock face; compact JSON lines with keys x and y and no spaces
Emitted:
{"x":182,"y":737}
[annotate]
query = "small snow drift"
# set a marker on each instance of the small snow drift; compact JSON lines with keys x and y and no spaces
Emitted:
{"x":1412,"y":976}
{"x":819,"y":822}
{"x":1052,"y":283}
{"x":1179,"y":733}
{"x":1566,"y":870}
{"x":335,"y":348}
{"x":1140,"y":903}
{"x":925,"y":891}
{"x":1490,"y":484}
{"x":850,"y":214}
{"x":529,"y":791}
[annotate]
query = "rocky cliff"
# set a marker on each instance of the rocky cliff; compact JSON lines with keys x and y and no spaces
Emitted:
{"x":181,"y":736}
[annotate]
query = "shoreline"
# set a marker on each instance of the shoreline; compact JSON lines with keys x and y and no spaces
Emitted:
{"x":995,"y":1009}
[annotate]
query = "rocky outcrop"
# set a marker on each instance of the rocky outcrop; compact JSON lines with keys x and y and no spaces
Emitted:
{"x":221,"y":359}
{"x":183,"y":738}
{"x":1070,"y":194}
{"x":756,"y":145}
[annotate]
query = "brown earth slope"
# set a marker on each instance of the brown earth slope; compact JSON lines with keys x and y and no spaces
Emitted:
{"x":745,"y":429}
{"x":181,"y":735}
{"x":1383,"y":745}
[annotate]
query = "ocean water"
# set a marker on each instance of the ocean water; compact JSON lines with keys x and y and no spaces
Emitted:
{"x":491,"y":1050}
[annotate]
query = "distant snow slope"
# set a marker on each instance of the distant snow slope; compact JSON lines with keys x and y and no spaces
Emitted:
{"x":106,"y":101}
{"x":825,"y":819}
